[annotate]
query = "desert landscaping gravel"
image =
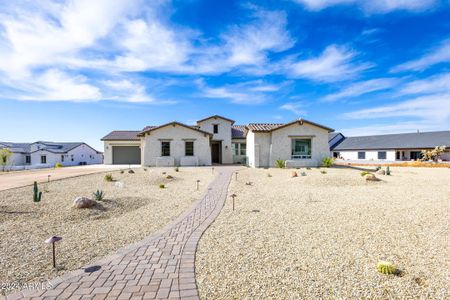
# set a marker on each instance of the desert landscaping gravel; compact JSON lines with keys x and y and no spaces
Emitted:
{"x":320,"y":236}
{"x":134,"y":207}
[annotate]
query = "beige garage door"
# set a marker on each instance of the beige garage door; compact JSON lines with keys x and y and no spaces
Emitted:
{"x":126,"y":155}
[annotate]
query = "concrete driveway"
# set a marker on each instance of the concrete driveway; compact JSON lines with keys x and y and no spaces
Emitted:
{"x":15,"y":179}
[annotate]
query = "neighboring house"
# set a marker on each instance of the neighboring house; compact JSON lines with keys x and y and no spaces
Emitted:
{"x":46,"y":154}
{"x":216,"y":140}
{"x":389,"y":147}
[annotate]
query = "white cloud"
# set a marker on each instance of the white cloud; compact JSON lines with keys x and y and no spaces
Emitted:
{"x":371,"y":6}
{"x":362,"y":88}
{"x":430,"y":107}
{"x":294,"y":107}
{"x":334,"y":64}
{"x":249,"y":92}
{"x":441,"y":54}
{"x":434,"y":84}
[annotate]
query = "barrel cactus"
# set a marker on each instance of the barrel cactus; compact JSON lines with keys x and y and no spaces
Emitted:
{"x":386,"y":267}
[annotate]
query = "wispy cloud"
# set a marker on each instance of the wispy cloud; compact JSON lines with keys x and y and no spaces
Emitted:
{"x":440,"y":54}
{"x":435,"y":84}
{"x":295,"y":107}
{"x":381,"y":6}
{"x":430,"y":107}
{"x":362,"y":88}
{"x":334,"y":64}
{"x":250,"y":92}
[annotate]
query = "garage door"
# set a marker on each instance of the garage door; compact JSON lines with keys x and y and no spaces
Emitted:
{"x":126,"y":155}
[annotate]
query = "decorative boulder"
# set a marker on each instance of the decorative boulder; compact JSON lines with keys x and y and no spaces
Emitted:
{"x":381,"y":172}
{"x":294,"y":174}
{"x":371,"y":177}
{"x":83,"y":202}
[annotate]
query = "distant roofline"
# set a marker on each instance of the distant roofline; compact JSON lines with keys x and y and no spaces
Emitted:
{"x":115,"y":139}
{"x":143,"y":132}
{"x":388,"y":134}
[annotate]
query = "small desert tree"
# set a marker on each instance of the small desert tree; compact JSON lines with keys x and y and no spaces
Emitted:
{"x":433,"y":154}
{"x":5,"y":155}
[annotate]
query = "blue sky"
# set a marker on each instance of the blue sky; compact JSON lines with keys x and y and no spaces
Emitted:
{"x":75,"y":70}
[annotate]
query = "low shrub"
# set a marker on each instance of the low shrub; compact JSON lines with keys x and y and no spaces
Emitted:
{"x":385,"y":267}
{"x":130,"y":171}
{"x":323,"y":172}
{"x":98,"y":195}
{"x":303,"y":173}
{"x":177,"y":169}
{"x":279,"y":163}
{"x":364,"y":173}
{"x":169,"y":177}
{"x":162,"y":186}
{"x":269,"y":175}
{"x":108,"y":177}
{"x":308,"y":168}
{"x":122,"y":171}
{"x":327,"y":162}
{"x":388,"y":171}
{"x":58,"y":165}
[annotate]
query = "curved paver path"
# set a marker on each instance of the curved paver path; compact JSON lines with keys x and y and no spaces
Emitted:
{"x":162,"y":266}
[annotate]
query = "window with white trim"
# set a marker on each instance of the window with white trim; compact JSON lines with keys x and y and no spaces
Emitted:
{"x":165,"y":148}
{"x":301,"y":149}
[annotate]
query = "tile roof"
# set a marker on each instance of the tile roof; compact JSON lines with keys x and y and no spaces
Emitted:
{"x":418,"y":140}
{"x":122,"y":135}
{"x":237,"y":131}
{"x":263,"y":126}
{"x":150,"y":128}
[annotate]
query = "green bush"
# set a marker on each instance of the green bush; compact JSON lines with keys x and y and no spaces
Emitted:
{"x":98,"y":195}
{"x":327,"y":162}
{"x":108,"y":177}
{"x":279,"y":163}
{"x":388,"y":171}
{"x":177,"y":169}
{"x":58,"y":165}
{"x":364,"y":173}
{"x":303,"y":173}
{"x":162,"y":186}
{"x":323,"y":172}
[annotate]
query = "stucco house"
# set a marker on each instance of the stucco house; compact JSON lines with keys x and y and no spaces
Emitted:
{"x":43,"y":154}
{"x":217,"y":140}
{"x":388,"y":147}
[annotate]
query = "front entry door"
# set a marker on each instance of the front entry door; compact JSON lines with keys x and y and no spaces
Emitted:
{"x":215,"y":153}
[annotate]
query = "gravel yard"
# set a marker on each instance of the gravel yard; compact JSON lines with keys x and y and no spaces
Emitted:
{"x":321,"y":236}
{"x":134,"y":207}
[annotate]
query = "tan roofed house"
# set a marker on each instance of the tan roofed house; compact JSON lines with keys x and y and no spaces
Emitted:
{"x":216,"y":140}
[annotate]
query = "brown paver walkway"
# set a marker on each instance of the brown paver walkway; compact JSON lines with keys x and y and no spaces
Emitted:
{"x":159,"y":267}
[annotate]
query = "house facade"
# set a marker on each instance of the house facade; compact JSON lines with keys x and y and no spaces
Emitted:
{"x":217,"y":140}
{"x":46,"y":154}
{"x":388,"y":147}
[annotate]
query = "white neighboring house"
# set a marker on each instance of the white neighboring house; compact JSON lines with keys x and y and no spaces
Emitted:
{"x":43,"y":154}
{"x":388,"y":147}
{"x":216,"y":140}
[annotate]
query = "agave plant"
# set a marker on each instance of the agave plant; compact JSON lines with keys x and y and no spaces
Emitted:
{"x":99,"y":195}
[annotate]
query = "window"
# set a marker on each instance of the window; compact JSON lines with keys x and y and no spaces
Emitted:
{"x":361,"y":155}
{"x":243,"y":149}
{"x":235,"y":148}
{"x":381,"y":154}
{"x":189,"y":148}
{"x":43,"y":159}
{"x":165,"y":148}
{"x":62,"y":158}
{"x":301,"y":149}
{"x":336,"y":154}
{"x":71,"y":157}
{"x":216,"y":128}
{"x":28,"y":159}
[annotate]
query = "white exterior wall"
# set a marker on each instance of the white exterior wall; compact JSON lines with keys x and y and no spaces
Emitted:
{"x":177,"y":135}
{"x":251,"y":149}
{"x":108,"y":147}
{"x":370,"y":155}
{"x":82,"y":154}
{"x":282,"y":144}
{"x":224,"y":135}
{"x":17,"y":159}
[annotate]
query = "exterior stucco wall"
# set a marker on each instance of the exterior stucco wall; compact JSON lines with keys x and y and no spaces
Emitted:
{"x":224,"y":135}
{"x":258,"y":148}
{"x":177,"y":135}
{"x":282,"y":144}
{"x":108,"y":148}
{"x":370,"y":155}
{"x":17,"y":159}
{"x":82,"y":153}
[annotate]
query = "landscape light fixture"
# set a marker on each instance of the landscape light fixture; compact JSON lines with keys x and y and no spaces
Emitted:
{"x":233,"y":196}
{"x":52,"y":240}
